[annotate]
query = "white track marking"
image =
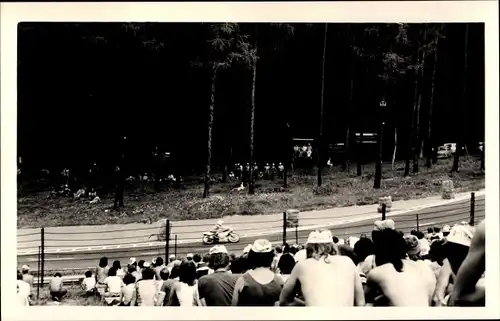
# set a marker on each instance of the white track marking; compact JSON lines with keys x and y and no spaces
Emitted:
{"x":301,"y":228}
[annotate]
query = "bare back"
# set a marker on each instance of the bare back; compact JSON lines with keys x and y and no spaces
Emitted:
{"x":328,"y":284}
{"x":411,"y":287}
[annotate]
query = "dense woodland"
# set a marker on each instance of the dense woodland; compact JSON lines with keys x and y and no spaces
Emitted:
{"x":212,"y":95}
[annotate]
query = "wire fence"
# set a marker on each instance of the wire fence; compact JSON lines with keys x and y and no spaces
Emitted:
{"x":53,"y":249}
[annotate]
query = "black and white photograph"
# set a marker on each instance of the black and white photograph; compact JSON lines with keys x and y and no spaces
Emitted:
{"x":252,"y":164}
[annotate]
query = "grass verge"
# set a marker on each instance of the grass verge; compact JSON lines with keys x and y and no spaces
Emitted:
{"x":340,"y":188}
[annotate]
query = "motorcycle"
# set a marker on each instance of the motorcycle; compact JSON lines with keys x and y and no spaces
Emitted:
{"x":227,"y":236}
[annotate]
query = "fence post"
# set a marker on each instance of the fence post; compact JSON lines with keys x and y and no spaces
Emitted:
{"x":284,"y":227}
{"x":472,"y":207}
{"x":418,"y":224}
{"x":296,"y":235}
{"x":383,"y":212}
{"x":167,"y":239}
{"x":42,"y":256}
{"x":175,"y":246}
{"x":38,"y":274}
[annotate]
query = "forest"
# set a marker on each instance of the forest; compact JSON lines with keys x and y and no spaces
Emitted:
{"x":196,"y":98}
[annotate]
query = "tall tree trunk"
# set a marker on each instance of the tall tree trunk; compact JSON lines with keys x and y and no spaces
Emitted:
{"x":378,"y":166}
{"x":347,"y":151}
{"x":460,"y":142}
{"x":395,"y":147}
{"x":288,"y":154}
{"x":251,"y":187}
{"x":158,"y":167}
{"x":320,"y":138}
{"x":209,"y":138}
{"x":416,"y":129}
{"x":430,"y":148}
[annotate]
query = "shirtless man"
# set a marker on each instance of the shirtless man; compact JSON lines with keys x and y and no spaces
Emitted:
{"x":324,"y":278}
{"x":396,"y":281}
{"x":468,"y":288}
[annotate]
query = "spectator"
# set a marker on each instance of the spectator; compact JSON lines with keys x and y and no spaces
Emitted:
{"x":127,"y":290}
{"x":396,"y":281}
{"x":171,"y":260}
{"x":362,"y":249}
{"x":378,"y":227}
{"x":259,"y":286}
{"x":166,"y":286}
{"x":183,"y":290}
{"x":286,"y":260}
{"x":430,"y":232}
{"x":203,"y":268}
{"x":239,"y":265}
{"x":23,"y":290}
{"x":189,"y":257}
{"x":469,"y":288}
{"x":287,"y":270}
{"x":437,"y":232}
{"x":412,"y":247}
{"x":158,"y":267}
{"x":101,"y":274}
{"x":335,"y":240}
{"x":196,"y":259}
{"x":89,"y":284}
{"x":217,"y":289}
{"x":145,"y":290}
{"x":294,"y":249}
{"x":140,"y":266}
{"x":57,"y":291}
{"x":119,"y":271}
{"x":27,"y":277}
{"x":114,"y":286}
{"x":278,"y":252}
{"x":132,"y":269}
{"x":323,"y":279}
{"x":423,"y":244}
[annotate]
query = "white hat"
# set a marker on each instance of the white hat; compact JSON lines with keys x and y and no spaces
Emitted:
{"x":218,"y":249}
{"x":172,"y":256}
{"x":320,"y":237}
{"x":25,"y":268}
{"x":247,"y":248}
{"x":461,"y":234}
{"x":300,"y":255}
{"x":146,"y":264}
{"x":190,"y":255}
{"x":153,"y":260}
{"x":446,"y":229}
{"x":132,"y":261}
{"x":262,"y":246}
{"x":382,"y":225}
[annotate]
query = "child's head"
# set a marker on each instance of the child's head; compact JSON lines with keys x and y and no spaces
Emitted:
{"x":57,"y":275}
{"x":128,"y":279}
{"x":112,"y":272}
{"x":88,"y":274}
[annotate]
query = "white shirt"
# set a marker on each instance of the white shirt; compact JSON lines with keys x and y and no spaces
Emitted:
{"x":89,"y":283}
{"x":185,"y":294}
{"x":24,"y":289}
{"x":424,"y":246}
{"x":114,"y":284}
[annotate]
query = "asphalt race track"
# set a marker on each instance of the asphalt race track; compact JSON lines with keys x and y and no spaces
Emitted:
{"x":83,"y":259}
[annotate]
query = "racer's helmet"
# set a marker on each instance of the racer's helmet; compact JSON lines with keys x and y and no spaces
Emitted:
{"x":220,"y":222}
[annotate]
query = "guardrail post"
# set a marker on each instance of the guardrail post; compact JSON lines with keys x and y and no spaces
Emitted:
{"x":296,"y":234}
{"x":167,"y":239}
{"x":284,"y":227}
{"x":418,"y":224}
{"x":175,"y":246}
{"x":383,"y":211}
{"x":38,"y":274}
{"x":472,"y":207}
{"x":42,"y":255}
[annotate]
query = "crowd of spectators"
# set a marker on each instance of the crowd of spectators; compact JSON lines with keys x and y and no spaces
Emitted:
{"x":443,"y":267}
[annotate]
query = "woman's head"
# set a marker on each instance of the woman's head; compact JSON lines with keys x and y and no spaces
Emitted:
{"x":261,"y":254}
{"x":165,"y":274}
{"x":363,"y":248}
{"x":187,"y":273}
{"x":117,"y":265}
{"x":148,"y":274}
{"x":390,"y":247}
{"x":112,"y":271}
{"x":320,"y":244}
{"x":103,"y":262}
